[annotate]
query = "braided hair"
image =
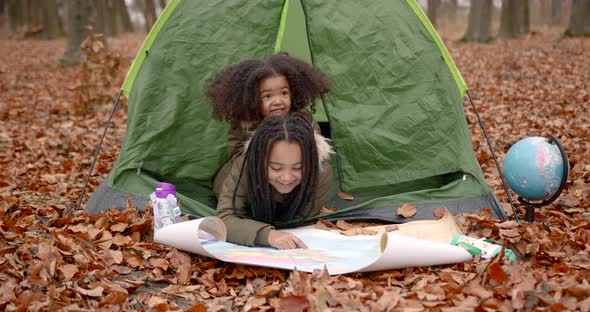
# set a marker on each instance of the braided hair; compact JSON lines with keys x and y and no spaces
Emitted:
{"x":291,"y":128}
{"x":234,"y":91}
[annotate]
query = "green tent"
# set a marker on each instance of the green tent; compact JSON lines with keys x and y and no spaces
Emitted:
{"x":394,"y":113}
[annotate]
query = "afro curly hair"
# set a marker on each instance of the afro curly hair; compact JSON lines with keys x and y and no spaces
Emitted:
{"x":234,"y":91}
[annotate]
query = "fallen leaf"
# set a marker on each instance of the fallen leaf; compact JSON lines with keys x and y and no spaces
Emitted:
{"x":114,"y":298}
{"x":199,"y":307}
{"x":327,"y":210}
{"x":345,"y":196}
{"x":388,"y":301}
{"x":496,"y":273}
{"x":159,"y":263}
{"x":439,"y":213}
{"x":325,"y":225}
{"x":569,"y":200}
{"x":518,"y":298}
{"x":343,"y":225}
{"x":28,"y":299}
{"x":158,"y":303}
{"x":351,"y":232}
{"x":181,"y":261}
{"x":391,"y":227}
{"x":509,"y":233}
{"x":366,"y":231}
{"x":254,"y":303}
{"x":475,"y":288}
{"x":68,"y":270}
{"x":121,"y":240}
{"x":113,"y":256}
{"x":119,"y":227}
{"x":94,"y":292}
{"x":293,"y":304}
{"x":121,"y":269}
{"x":407,"y":210}
{"x":269,"y":291}
{"x":132,"y":259}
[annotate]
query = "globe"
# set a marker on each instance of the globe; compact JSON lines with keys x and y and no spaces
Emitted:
{"x":534,"y":168}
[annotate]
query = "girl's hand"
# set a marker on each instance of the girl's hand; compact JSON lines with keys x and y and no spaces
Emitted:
{"x":284,"y":240}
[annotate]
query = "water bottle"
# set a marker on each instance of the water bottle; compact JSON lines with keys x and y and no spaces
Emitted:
{"x":166,"y":210}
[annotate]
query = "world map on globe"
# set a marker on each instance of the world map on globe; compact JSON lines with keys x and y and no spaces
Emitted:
{"x":534,"y":168}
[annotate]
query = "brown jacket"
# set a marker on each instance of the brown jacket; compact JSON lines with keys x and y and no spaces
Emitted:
{"x":245,"y":231}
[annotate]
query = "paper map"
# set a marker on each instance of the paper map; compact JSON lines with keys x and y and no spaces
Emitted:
{"x":338,"y":253}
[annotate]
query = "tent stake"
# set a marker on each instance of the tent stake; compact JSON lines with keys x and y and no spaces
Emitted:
{"x":493,"y":156}
{"x":98,"y":151}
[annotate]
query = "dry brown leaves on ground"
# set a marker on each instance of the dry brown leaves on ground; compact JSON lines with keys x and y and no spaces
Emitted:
{"x":53,"y":258}
{"x":407,"y":210}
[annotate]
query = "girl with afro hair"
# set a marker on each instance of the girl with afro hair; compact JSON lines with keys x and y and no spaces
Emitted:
{"x":244,"y":94}
{"x":284,"y":175}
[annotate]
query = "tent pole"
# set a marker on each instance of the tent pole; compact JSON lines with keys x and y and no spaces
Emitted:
{"x":98,"y":150}
{"x":493,"y":155}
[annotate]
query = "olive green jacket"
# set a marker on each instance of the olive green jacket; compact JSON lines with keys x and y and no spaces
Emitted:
{"x":243,"y":230}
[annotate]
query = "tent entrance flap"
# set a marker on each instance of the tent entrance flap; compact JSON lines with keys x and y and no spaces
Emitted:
{"x":293,"y":40}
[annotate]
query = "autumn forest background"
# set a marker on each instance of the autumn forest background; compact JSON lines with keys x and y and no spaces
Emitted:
{"x":62,"y":63}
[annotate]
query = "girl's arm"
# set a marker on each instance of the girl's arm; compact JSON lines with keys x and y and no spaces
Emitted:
{"x":240,"y":228}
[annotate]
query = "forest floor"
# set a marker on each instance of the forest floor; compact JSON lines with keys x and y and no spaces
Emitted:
{"x":52,"y":257}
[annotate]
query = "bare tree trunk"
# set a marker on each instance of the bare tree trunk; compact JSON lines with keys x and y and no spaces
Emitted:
{"x":52,"y":27}
{"x":555,"y":12}
{"x":79,"y":14}
{"x":114,"y":17}
{"x":541,"y":12}
{"x":525,"y":17}
{"x":150,"y":14}
{"x":480,"y":21}
{"x":433,"y":7}
{"x":510,"y":25}
{"x":29,"y":13}
{"x":34,"y":22}
{"x":102,"y":23}
{"x":106,"y":21}
{"x":123,"y":14}
{"x":24,"y":8}
{"x":163,"y":4}
{"x":63,"y":12}
{"x":3,"y":7}
{"x":138,"y":6}
{"x":451,"y":11}
{"x":579,"y":25}
{"x":16,"y":15}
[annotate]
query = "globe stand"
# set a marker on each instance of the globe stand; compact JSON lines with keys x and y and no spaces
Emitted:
{"x":530,"y":210}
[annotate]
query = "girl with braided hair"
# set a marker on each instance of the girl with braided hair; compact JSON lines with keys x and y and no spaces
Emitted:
{"x":284,"y":175}
{"x":246,"y":93}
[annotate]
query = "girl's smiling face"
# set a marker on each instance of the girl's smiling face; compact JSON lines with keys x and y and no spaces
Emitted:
{"x":285,"y":166}
{"x":274,"y":96}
